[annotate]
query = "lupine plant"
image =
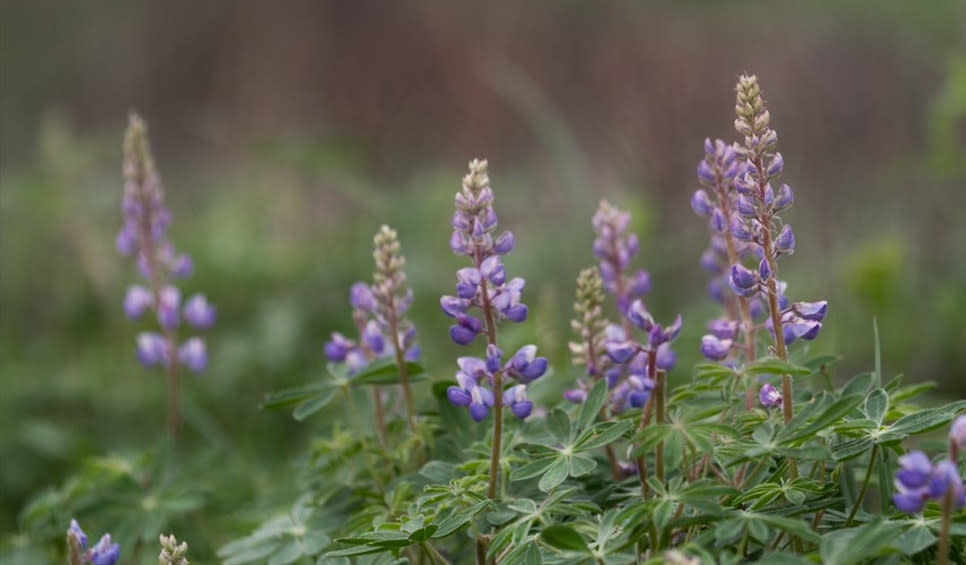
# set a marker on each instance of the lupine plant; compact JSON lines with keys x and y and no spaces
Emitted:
{"x":144,"y":235}
{"x":759,"y":454}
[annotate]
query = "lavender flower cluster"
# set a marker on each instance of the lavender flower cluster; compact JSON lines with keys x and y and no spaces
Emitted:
{"x":104,"y":552}
{"x":144,"y":235}
{"x":919,"y":480}
{"x":379,"y":311}
{"x":484,"y":290}
{"x":609,"y":350}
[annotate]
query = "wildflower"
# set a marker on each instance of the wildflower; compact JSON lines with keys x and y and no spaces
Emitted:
{"x":614,"y":248}
{"x":104,"y":552}
{"x":918,"y":480}
{"x":769,"y":396}
{"x":144,"y":235}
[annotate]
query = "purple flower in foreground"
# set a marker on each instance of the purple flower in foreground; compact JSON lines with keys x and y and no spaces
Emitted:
{"x":715,"y":348}
{"x":104,"y":552}
{"x":769,"y":396}
{"x":516,"y":398}
{"x":918,"y":481}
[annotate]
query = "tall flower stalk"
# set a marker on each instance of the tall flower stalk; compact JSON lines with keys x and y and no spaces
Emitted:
{"x":144,"y":235}
{"x":483,"y":289}
{"x":717,"y":201}
{"x":379,"y":312}
{"x":757,"y":221}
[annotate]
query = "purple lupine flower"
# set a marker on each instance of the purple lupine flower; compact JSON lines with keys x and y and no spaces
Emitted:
{"x":474,"y":223}
{"x":193,"y":354}
{"x":957,"y":432}
{"x":75,"y":532}
{"x":665,"y":357}
{"x":769,"y":396}
{"x":199,"y":312}
{"x":105,"y":552}
{"x":576,"y":395}
{"x":137,"y":300}
{"x":758,"y":205}
{"x":144,"y":235}
{"x":152,"y":349}
{"x":338,"y":347}
{"x":614,"y":248}
{"x":516,"y":398}
{"x":525,"y":366}
{"x":715,"y":348}
{"x":360,"y":296}
{"x":743,"y":281}
{"x":945,"y":478}
{"x":914,"y":470}
{"x":469,"y":392}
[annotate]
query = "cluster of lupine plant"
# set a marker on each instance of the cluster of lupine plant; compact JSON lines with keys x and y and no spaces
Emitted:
{"x":753,"y":456}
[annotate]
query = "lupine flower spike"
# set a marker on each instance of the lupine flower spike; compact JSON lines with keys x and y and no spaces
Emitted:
{"x":144,"y":235}
{"x":484,"y":296}
{"x":379,"y":311}
{"x":104,"y":552}
{"x":172,"y":552}
{"x":756,"y":222}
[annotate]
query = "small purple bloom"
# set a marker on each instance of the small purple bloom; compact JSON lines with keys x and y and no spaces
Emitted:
{"x":199,"y":312}
{"x":910,"y":501}
{"x":957,"y":432}
{"x":480,"y":401}
{"x":700,"y":202}
{"x":718,"y":221}
{"x":764,"y":270}
{"x":105,"y":552}
{"x":715,"y":348}
{"x":723,"y":328}
{"x":516,"y":398}
{"x":639,"y":316}
{"x":775,"y":166}
{"x":169,"y":305}
{"x":665,"y":357}
{"x":137,"y":300}
{"x":785,"y":242}
{"x":152,"y":349}
{"x":914,"y":470}
{"x":182,"y":266}
{"x":769,"y":396}
{"x":504,"y":243}
{"x":337,"y":347}
{"x":373,"y":337}
{"x":785,"y":197}
{"x":75,"y":531}
{"x":621,"y":351}
{"x":743,"y":280}
{"x":361,"y":298}
{"x":640,"y":283}
{"x":739,"y":229}
{"x":945,"y":477}
{"x":193,"y":354}
{"x":575,"y":395}
{"x":525,"y":366}
{"x":814,"y":311}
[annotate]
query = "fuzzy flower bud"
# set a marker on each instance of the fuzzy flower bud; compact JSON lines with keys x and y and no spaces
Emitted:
{"x":172,"y":553}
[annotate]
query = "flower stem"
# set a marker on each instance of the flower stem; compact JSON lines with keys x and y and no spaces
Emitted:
{"x":403,"y":369}
{"x":865,"y":485}
{"x":947,"y":510}
{"x":497,"y":396}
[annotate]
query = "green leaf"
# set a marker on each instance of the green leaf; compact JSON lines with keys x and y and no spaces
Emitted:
{"x":558,"y":422}
{"x":914,"y":540}
{"x":563,"y":537}
{"x":581,"y":465}
{"x":533,"y":468}
{"x":591,"y":407}
{"x":775,"y":366}
{"x":602,"y":434}
{"x":876,"y":405}
{"x":829,"y":416}
{"x":385,"y":372}
{"x":852,"y":448}
{"x":859,"y":384}
{"x":312,"y":405}
{"x":855,"y":545}
{"x":459,"y":519}
{"x":713,"y":371}
{"x":555,"y":474}
{"x":878,"y":352}
{"x":291,"y":396}
{"x":795,"y":527}
{"x":922,"y":421}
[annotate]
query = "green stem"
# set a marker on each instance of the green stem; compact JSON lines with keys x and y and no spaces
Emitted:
{"x":403,"y":369}
{"x":865,"y":485}
{"x":435,"y":555}
{"x":497,"y":396}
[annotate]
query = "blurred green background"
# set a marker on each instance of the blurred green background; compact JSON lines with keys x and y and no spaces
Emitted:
{"x":288,"y":132}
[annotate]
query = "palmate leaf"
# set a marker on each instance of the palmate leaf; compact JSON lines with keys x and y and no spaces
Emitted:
{"x":855,"y":545}
{"x":829,"y":416}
